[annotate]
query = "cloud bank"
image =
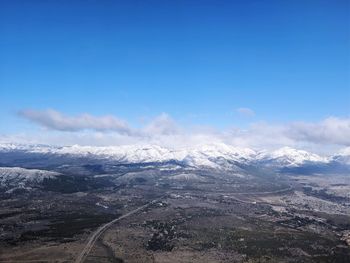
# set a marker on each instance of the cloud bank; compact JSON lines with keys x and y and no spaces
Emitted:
{"x":331,"y":130}
{"x":162,"y":124}
{"x":87,"y":129}
{"x":57,"y":121}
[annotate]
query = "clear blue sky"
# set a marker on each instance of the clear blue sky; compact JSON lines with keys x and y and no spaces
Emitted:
{"x":286,"y":60}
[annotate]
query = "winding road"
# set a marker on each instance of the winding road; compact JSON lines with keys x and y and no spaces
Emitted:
{"x":95,"y":235}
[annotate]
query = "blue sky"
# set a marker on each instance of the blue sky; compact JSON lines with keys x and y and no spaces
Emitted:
{"x":197,"y":61}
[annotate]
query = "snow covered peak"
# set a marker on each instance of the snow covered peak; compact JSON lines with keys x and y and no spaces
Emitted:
{"x":133,"y":153}
{"x":343,"y":156}
{"x":224,"y":150}
{"x":215,"y":155}
{"x":293,"y":157}
{"x":6,"y":147}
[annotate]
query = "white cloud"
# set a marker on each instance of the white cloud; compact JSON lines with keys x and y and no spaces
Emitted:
{"x":162,"y":124}
{"x":324,"y":136}
{"x":331,"y":130}
{"x":57,"y":121}
{"x":246,"y":112}
{"x":260,"y":135}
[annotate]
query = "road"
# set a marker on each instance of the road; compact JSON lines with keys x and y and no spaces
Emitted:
{"x":95,"y":235}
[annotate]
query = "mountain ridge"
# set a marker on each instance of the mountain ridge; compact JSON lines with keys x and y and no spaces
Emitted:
{"x":202,"y":155}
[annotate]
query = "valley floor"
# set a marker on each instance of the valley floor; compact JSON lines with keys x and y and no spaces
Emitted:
{"x":202,"y":218}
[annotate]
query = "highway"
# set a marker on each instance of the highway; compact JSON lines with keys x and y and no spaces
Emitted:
{"x":95,"y":235}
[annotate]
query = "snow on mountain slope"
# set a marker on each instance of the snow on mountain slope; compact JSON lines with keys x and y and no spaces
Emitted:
{"x":216,"y":155}
{"x":343,"y":156}
{"x":288,"y":156}
{"x":154,"y":153}
{"x":204,"y":155}
{"x":15,"y":177}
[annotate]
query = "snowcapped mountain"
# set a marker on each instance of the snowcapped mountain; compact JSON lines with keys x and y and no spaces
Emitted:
{"x":20,"y":178}
{"x":343,"y":156}
{"x":205,"y":155}
{"x":290,"y":157}
{"x":216,"y":156}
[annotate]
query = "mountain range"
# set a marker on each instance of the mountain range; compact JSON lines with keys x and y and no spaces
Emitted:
{"x":210,"y":156}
